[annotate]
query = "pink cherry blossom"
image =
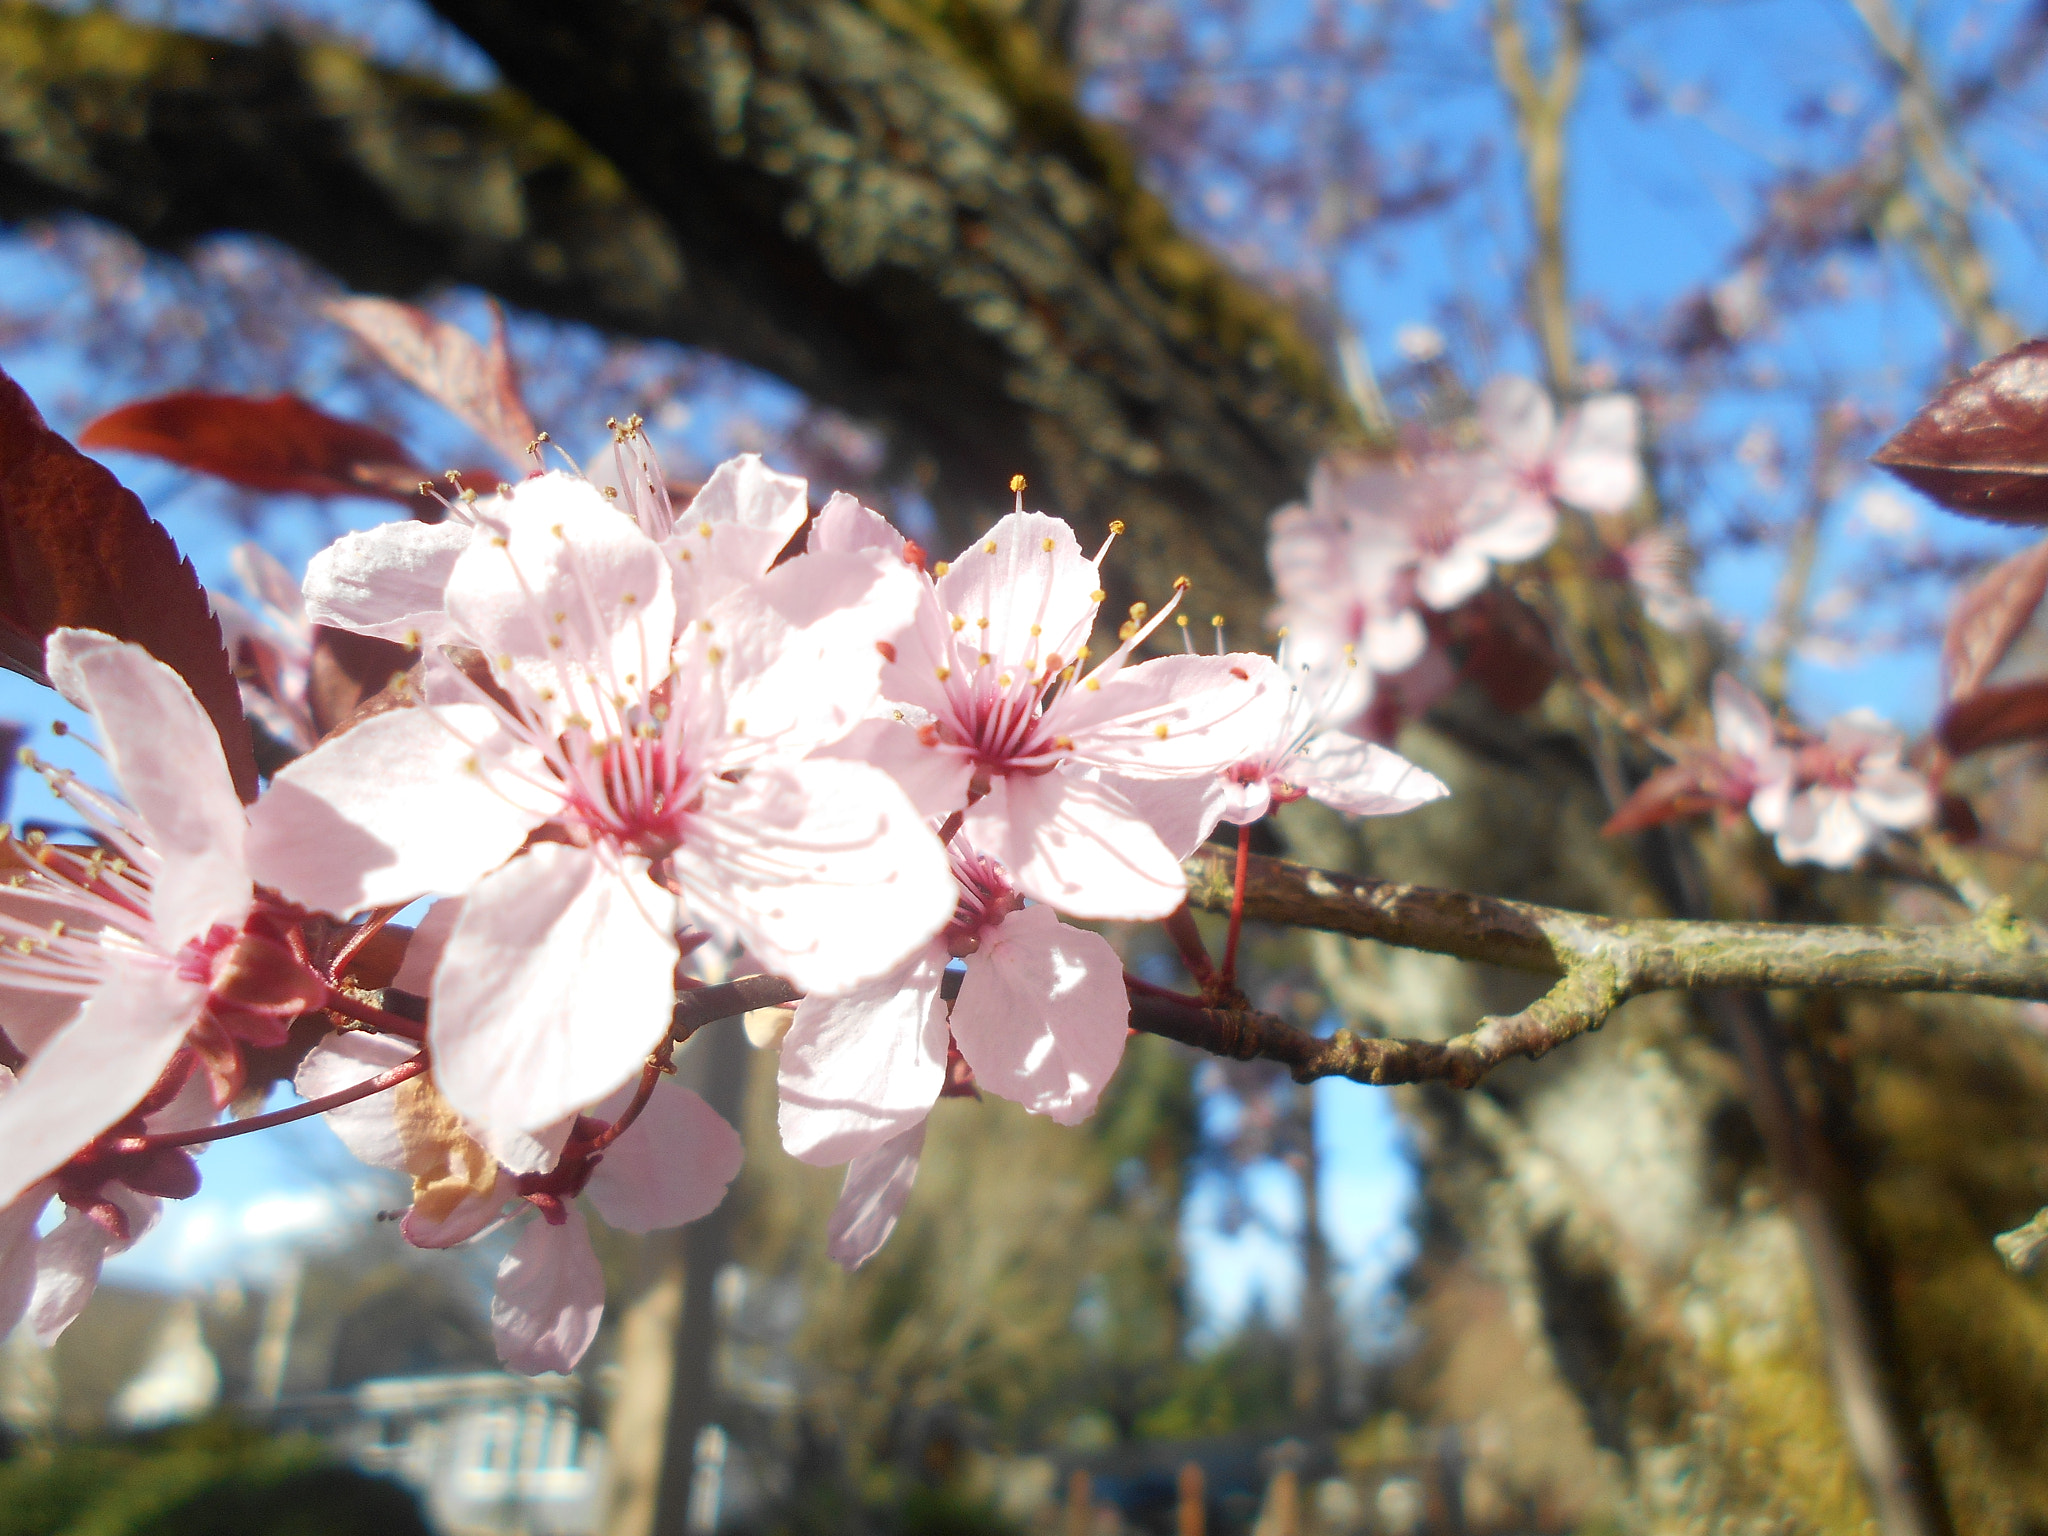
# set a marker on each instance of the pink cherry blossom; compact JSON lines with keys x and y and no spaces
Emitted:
{"x":1301,"y":753}
{"x":1018,"y":738}
{"x":1340,"y":594}
{"x":1753,"y":769}
{"x":1830,"y":799}
{"x":663,"y":756}
{"x":1591,"y":461}
{"x":392,"y":581}
{"x":115,"y":959}
{"x":1041,"y":1019}
{"x":1852,"y":788}
{"x":670,"y":1166}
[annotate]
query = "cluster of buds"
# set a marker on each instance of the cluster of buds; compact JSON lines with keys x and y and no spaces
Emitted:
{"x":636,"y":734}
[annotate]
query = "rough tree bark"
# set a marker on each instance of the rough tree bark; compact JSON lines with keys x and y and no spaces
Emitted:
{"x":897,"y":207}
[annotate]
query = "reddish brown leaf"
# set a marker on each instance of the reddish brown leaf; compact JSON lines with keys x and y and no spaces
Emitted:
{"x":1670,"y":794}
{"x":1955,"y":818}
{"x":1981,"y":446}
{"x":348,"y":669}
{"x":1989,"y":617}
{"x":77,"y":549}
{"x":1502,"y":645}
{"x":1992,"y":717}
{"x":281,"y":444}
{"x":443,"y":361}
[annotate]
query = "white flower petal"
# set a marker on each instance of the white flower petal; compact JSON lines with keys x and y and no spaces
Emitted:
{"x":167,"y":758}
{"x":390,"y":581}
{"x":96,"y":1069}
{"x":668,"y":1167}
{"x":1077,"y":845}
{"x":549,"y":1298}
{"x":1598,"y":466}
{"x":822,"y":868}
{"x":1361,"y":778}
{"x":1518,"y":419}
{"x":1042,"y":1014}
{"x":859,"y":1069}
{"x":1027,"y":572}
{"x":342,"y":1059}
{"x":557,"y":982}
{"x":394,"y":809}
{"x":573,"y":594}
{"x":877,"y":1187}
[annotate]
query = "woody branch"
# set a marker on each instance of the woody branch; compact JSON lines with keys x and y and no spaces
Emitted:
{"x":1599,"y":962}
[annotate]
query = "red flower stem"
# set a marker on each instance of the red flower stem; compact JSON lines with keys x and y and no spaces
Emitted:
{"x":1187,"y":938}
{"x":1244,"y":858}
{"x":405,"y":1069}
{"x":377,"y":1019}
{"x":368,"y":930}
{"x":649,"y":1076}
{"x":1144,"y":988}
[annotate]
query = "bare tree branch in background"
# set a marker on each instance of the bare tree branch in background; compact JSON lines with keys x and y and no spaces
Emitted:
{"x":1542,"y":102}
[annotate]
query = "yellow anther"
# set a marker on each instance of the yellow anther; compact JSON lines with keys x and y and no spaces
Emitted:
{"x":984,"y":659}
{"x":497,"y":541}
{"x":471,"y":765}
{"x":739,"y":727}
{"x":1005,"y":680}
{"x":629,"y":599}
{"x":942,"y":567}
{"x":1098,"y":595}
{"x":1036,"y":631}
{"x":958,"y":623}
{"x":504,"y":663}
{"x":557,"y":531}
{"x":554,"y":642}
{"x":413,"y":637}
{"x":1181,"y":583}
{"x":705,"y":625}
{"x":1125,"y":630}
{"x":944,"y":673}
{"x":982,"y":622}
{"x":714,"y":655}
{"x":1017,"y":484}
{"x":1159,"y":730}
{"x":1046,"y":546}
{"x":1138,"y":612}
{"x":1116,"y":526}
{"x":1093,"y":684}
{"x":1181,"y":619}
{"x":704,"y":529}
{"x":989,"y":548}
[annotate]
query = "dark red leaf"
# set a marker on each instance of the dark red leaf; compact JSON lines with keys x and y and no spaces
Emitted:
{"x":1989,"y":617}
{"x":1992,"y":717}
{"x":77,"y":549}
{"x":281,"y":444}
{"x":346,"y":670}
{"x":1670,"y":794}
{"x":1502,"y":645}
{"x":444,"y":362}
{"x":1955,"y":818}
{"x":1981,"y":446}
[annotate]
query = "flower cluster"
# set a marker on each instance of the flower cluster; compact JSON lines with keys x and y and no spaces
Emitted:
{"x":1369,"y":566}
{"x":635,"y":734}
